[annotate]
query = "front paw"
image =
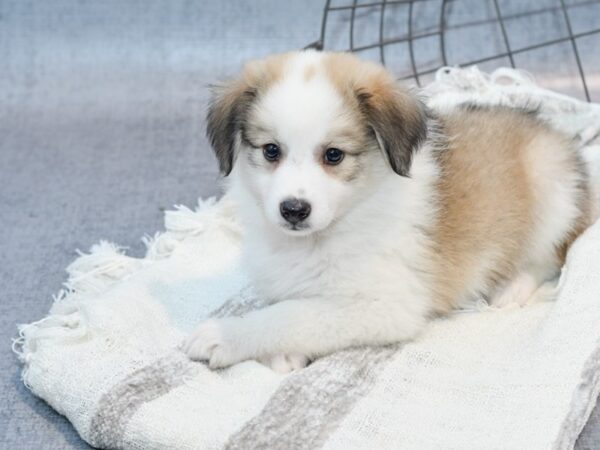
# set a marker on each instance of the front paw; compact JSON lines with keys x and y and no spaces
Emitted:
{"x":212,"y":341}
{"x":285,"y":363}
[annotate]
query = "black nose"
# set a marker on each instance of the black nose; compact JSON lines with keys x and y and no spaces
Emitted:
{"x":294,"y":210}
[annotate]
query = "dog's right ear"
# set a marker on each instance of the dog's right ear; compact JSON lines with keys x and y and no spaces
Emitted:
{"x":226,"y":114}
{"x":397,"y":117}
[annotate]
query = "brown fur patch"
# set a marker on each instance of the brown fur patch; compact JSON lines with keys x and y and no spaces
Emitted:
{"x":487,"y":199}
{"x":310,"y":72}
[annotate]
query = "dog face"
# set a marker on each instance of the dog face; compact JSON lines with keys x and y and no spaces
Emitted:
{"x":310,"y":135}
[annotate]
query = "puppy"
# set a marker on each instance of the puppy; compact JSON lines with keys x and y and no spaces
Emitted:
{"x":365,"y":215}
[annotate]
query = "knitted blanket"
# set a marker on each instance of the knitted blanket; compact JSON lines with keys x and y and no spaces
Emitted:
{"x":106,"y":356}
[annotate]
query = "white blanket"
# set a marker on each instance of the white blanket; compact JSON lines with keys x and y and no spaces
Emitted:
{"x":106,"y":355}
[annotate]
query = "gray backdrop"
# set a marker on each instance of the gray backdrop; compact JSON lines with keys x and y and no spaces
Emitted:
{"x":101,"y":128}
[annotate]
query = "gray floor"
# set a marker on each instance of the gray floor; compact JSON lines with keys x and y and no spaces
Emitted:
{"x":101,"y":128}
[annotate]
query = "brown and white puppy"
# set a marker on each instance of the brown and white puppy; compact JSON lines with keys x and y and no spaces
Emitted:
{"x":365,"y":215}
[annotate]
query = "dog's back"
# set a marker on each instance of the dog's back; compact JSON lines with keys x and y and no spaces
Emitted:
{"x":513,"y":196}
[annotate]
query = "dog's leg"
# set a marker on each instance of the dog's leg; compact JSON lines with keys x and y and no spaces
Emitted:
{"x":304,"y":327}
{"x":516,"y":292}
{"x":524,"y":289}
{"x":282,"y":363}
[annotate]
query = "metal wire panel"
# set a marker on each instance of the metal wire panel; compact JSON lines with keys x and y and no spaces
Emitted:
{"x":556,"y":40}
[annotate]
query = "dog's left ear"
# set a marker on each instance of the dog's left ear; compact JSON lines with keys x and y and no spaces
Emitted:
{"x":226,"y":113}
{"x":397,"y":117}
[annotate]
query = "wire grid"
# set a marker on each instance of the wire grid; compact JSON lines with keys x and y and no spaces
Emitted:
{"x":557,"y":39}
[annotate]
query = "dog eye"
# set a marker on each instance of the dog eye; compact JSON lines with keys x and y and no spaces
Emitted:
{"x":271,"y":152}
{"x":333,"y":156}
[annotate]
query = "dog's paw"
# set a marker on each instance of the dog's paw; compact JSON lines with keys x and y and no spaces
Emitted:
{"x":516,"y":293}
{"x":286,"y":363}
{"x":210,"y":342}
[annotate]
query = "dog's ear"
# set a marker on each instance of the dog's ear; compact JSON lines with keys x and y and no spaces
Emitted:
{"x":397,"y":117}
{"x":226,"y":114}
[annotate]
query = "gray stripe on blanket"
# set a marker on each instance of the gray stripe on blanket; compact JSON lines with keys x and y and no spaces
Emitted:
{"x":301,"y":414}
{"x":310,"y":404}
{"x":239,"y":304}
{"x":117,"y":406}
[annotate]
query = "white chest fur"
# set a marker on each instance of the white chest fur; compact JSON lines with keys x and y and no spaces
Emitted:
{"x":376,"y":252}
